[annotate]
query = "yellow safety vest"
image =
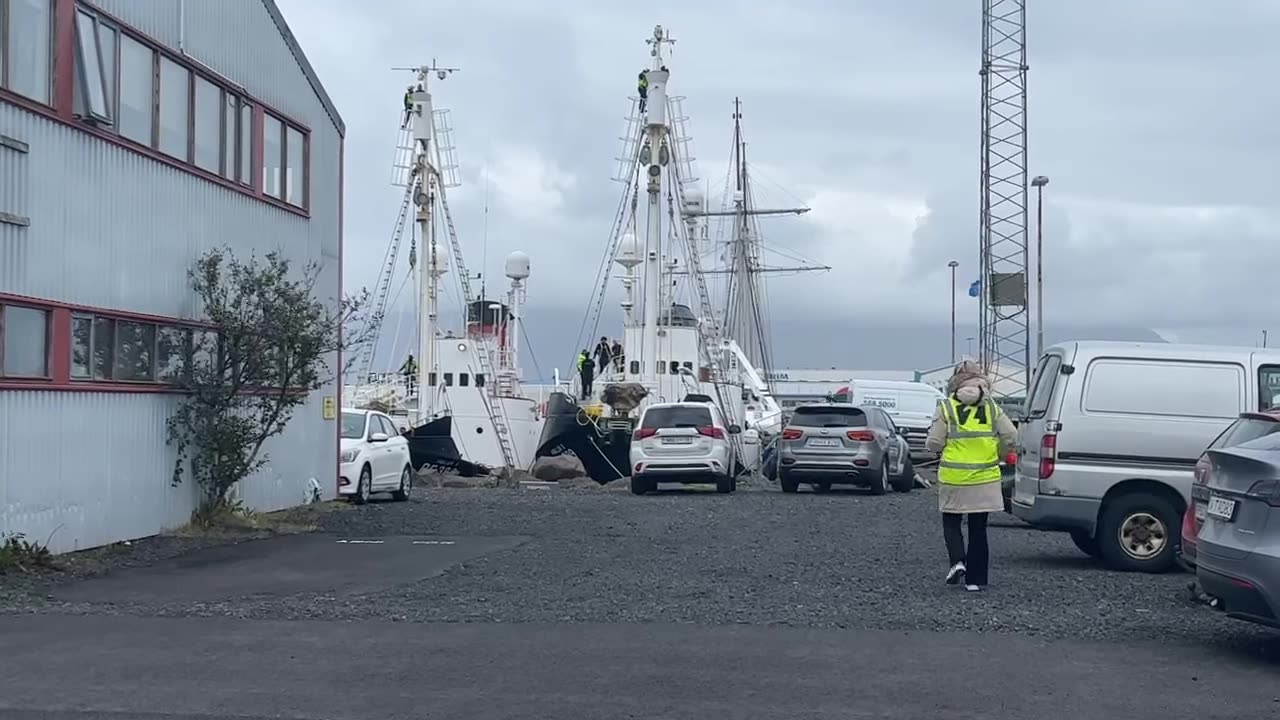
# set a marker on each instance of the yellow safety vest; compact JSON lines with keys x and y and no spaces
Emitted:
{"x":972,"y":453}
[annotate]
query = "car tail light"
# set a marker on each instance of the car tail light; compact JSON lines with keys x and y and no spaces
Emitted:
{"x":1189,"y":531}
{"x":791,"y":434}
{"x":861,"y":435}
{"x":642,"y":433}
{"x":711,"y":432}
{"x":1048,"y":455}
{"x":1011,"y":458}
{"x":1203,"y":468}
{"x":1267,"y":491}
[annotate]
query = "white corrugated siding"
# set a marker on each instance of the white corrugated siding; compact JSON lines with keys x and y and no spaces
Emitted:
{"x":112,"y":228}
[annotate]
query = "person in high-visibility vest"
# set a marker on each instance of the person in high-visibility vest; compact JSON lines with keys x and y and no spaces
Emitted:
{"x":971,"y":432}
{"x":408,"y":106}
{"x":643,"y":87}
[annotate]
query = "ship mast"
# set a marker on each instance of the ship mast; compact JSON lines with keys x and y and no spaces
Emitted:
{"x":744,"y":311}
{"x":654,"y":155}
{"x":427,"y":185}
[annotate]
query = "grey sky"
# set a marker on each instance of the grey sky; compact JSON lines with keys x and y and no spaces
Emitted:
{"x":1154,"y":120}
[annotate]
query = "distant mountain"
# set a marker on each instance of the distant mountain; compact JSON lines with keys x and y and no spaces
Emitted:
{"x":799,"y":342}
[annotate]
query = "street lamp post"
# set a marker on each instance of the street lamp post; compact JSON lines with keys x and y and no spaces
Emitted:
{"x":953,"y":265}
{"x":1038,"y":182}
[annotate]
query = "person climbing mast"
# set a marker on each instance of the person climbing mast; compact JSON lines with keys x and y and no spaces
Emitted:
{"x":644,"y":90}
{"x":408,"y":106}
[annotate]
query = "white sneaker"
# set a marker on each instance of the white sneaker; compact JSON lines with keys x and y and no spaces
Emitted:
{"x":955,"y":573}
{"x":973,"y":588}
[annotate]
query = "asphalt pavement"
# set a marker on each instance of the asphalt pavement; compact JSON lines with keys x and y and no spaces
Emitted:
{"x":595,"y":603}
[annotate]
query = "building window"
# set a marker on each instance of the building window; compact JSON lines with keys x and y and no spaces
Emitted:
{"x":246,"y":143}
{"x":463,"y":379}
{"x":173,"y":346}
{"x":24,"y":342}
{"x":137,"y":91}
{"x":272,"y":156}
{"x":104,"y":348}
{"x":93,"y":99}
{"x":294,"y":154}
{"x":124,"y":83}
{"x":135,"y":356}
{"x":284,"y":160}
{"x":175,"y":94}
{"x":26,"y":48}
{"x":208,"y":120}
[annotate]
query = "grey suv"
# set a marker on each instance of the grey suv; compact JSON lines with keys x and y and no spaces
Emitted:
{"x":838,"y":443}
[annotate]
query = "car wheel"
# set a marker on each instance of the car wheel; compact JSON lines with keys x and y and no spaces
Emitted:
{"x":406,"y":484}
{"x":880,"y":485}
{"x":1139,"y":532}
{"x":725,"y":484}
{"x":363,"y":486}
{"x":1087,"y":543}
{"x":788,"y":484}
{"x":639,"y":485}
{"x":907,"y":480}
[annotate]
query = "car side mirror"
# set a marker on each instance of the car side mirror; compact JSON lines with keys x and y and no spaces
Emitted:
{"x":734,"y":429}
{"x":379,"y":437}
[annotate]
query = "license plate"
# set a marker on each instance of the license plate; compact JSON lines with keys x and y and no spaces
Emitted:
{"x":1200,"y":508}
{"x":1222,"y":508}
{"x":678,"y":440}
{"x":824,"y":442}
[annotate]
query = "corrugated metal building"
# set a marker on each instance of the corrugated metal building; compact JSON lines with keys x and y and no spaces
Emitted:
{"x":134,"y":136}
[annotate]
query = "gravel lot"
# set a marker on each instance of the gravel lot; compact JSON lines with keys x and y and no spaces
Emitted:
{"x":757,"y":556}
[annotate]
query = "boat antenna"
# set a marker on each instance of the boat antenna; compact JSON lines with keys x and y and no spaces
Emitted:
{"x":484,"y":240}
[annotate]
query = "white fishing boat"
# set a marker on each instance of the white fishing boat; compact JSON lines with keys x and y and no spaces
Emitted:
{"x":460,"y":402}
{"x":674,"y":344}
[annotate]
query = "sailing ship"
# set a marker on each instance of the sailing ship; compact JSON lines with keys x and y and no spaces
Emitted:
{"x":462,"y":407}
{"x":672,"y":352}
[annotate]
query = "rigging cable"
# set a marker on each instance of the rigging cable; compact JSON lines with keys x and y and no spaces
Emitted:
{"x":602,"y":273}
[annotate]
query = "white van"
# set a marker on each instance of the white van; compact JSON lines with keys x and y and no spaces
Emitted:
{"x":1111,"y":433}
{"x":910,"y":404}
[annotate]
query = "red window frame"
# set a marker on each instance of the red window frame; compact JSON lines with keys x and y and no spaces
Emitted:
{"x":60,"y":344}
{"x":65,"y":47}
{"x":7,"y":302}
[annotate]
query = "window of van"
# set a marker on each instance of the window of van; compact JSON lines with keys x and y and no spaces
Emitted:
{"x":1046,"y":378}
{"x":1164,"y":387}
{"x":1268,"y":387}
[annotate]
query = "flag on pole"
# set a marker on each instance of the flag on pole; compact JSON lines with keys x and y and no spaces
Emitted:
{"x":975,"y":288}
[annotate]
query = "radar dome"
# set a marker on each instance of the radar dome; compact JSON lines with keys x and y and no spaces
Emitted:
{"x":517,"y":265}
{"x":628,"y":251}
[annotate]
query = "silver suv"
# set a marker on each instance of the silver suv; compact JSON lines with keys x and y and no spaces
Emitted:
{"x":837,"y":443}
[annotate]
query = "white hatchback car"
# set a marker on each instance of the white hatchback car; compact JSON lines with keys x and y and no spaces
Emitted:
{"x":685,"y":442}
{"x":375,"y":457}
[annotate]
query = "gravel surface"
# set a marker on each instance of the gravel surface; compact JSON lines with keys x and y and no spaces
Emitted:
{"x":758,"y":556}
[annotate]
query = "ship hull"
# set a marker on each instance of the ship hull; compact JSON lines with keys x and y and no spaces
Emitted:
{"x":431,"y":445}
{"x":605,"y":453}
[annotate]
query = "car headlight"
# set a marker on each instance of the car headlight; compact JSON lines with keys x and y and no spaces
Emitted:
{"x":349,"y":455}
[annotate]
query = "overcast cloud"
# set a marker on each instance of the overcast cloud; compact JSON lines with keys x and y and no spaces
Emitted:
{"x":1155,"y":120}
